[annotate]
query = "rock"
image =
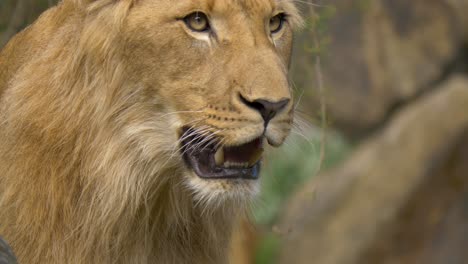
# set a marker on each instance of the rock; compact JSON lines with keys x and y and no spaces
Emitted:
{"x":382,"y":53}
{"x":431,"y":228}
{"x":339,"y":216}
{"x":6,"y":255}
{"x":461,"y":9}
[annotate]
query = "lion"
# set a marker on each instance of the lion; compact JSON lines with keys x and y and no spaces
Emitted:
{"x":132,"y":131}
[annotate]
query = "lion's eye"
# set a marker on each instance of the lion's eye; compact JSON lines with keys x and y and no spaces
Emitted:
{"x":277,"y":22}
{"x":197,"y":21}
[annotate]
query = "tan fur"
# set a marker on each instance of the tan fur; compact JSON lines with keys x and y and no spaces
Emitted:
{"x":92,"y":100}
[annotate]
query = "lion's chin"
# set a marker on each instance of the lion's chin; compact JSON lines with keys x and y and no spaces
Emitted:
{"x":219,"y":191}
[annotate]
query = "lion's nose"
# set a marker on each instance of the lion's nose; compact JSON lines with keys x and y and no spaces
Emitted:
{"x":267,"y":108}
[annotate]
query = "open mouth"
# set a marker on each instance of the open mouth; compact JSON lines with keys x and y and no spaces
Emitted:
{"x":210,"y":161}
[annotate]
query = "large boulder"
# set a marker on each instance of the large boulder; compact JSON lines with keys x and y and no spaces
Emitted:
{"x":432,"y":227}
{"x":406,"y":184}
{"x":379,"y":54}
{"x":6,"y":255}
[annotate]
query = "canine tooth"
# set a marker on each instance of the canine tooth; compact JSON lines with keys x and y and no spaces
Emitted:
{"x":219,"y":157}
{"x":255,"y":157}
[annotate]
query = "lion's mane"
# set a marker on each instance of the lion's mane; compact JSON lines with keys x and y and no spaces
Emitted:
{"x":74,"y":187}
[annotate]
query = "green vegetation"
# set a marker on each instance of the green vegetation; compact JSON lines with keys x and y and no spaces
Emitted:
{"x":268,"y":249}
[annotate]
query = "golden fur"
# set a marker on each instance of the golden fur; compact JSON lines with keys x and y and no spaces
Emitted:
{"x":92,"y":99}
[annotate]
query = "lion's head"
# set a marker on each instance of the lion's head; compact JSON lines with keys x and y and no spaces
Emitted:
{"x":219,"y":71}
{"x":120,"y":117}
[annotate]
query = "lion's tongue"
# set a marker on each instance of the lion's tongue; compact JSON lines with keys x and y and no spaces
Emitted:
{"x":248,"y":153}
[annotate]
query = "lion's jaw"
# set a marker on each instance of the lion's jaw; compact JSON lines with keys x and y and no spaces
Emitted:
{"x":210,"y":83}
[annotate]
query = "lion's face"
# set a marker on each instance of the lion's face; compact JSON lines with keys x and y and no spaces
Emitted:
{"x":214,"y":75}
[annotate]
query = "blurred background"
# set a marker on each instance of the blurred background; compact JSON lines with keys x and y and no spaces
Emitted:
{"x":376,"y":170}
